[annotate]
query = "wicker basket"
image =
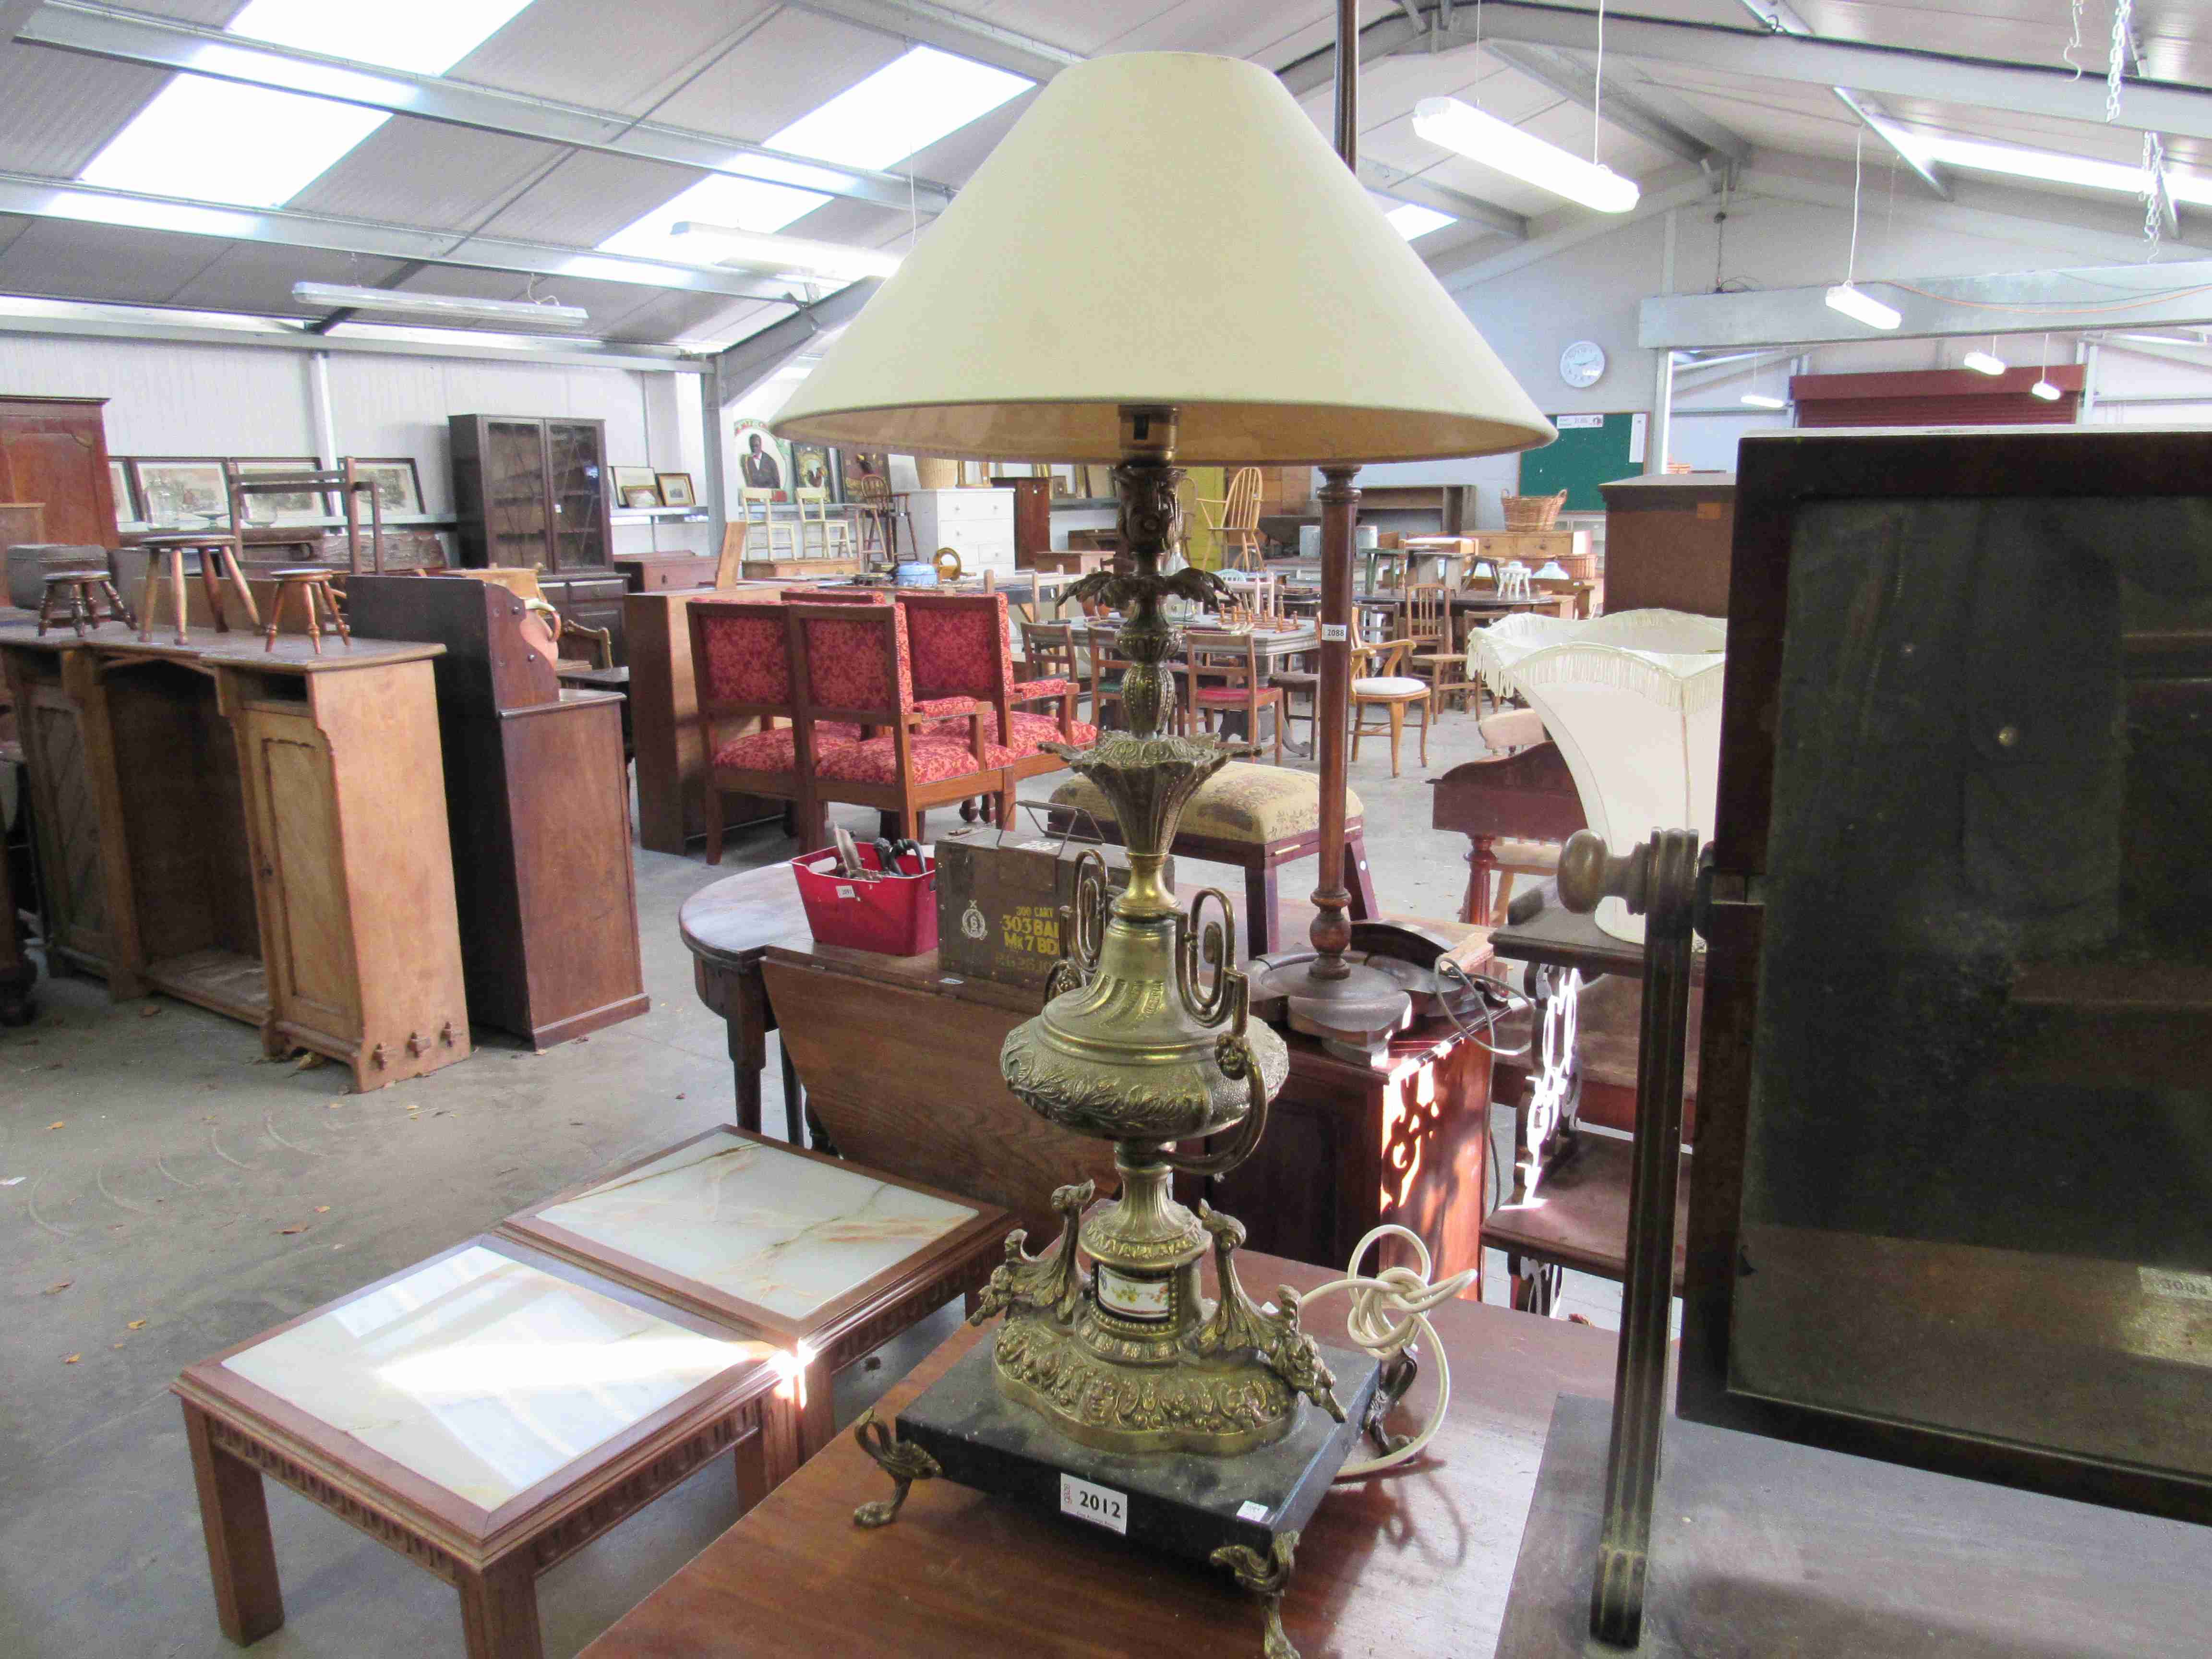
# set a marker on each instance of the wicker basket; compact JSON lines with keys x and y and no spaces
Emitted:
{"x":1533,"y":512}
{"x":1582,"y":566}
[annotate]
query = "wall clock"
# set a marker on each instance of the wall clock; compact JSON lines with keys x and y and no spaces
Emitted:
{"x":1581,"y":364}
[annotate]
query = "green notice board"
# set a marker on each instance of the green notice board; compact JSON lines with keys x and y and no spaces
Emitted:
{"x":1590,"y":450}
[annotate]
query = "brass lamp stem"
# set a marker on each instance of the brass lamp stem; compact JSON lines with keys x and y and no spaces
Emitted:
{"x":1331,"y":931}
{"x":1150,"y":512}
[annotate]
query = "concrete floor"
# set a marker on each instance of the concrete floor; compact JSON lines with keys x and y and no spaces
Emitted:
{"x":168,"y":1193}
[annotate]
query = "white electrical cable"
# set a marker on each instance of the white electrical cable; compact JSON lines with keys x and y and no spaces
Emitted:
{"x":1388,"y":1312}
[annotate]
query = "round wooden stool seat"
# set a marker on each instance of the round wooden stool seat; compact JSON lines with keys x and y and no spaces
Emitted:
{"x":314,"y":587}
{"x":85,"y":592}
{"x":218,"y":551}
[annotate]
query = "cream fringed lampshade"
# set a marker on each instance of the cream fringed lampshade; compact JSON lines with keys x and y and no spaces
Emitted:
{"x":1165,"y":228}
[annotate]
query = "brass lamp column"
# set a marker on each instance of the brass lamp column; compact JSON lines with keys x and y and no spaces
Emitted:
{"x":1147,"y":1042}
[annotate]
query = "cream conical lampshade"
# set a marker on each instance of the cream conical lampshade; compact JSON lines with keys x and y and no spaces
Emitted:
{"x":1165,"y":228}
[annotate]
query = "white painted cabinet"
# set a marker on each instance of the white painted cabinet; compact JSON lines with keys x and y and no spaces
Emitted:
{"x":977,"y":524}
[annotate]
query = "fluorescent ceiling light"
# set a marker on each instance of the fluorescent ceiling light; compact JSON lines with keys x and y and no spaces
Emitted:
{"x":1976,"y":155}
{"x":216,"y":141}
{"x":732,"y":245}
{"x":2044,"y":390}
{"x":1763,"y":400}
{"x":439,"y":305}
{"x":1982,"y":364}
{"x":1411,"y":220}
{"x":906,"y":106}
{"x":1495,"y":144}
{"x":1861,"y":307}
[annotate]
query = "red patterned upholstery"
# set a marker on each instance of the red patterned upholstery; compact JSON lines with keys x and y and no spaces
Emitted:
{"x":748,"y":655}
{"x":934,"y":760}
{"x":1030,"y":730}
{"x":1032,"y":691}
{"x":960,"y":642}
{"x":834,"y":596}
{"x":778,"y":750}
{"x":1228,"y":696}
{"x":957,"y":705}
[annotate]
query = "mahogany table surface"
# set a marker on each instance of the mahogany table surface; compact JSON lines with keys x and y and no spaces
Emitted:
{"x":1407,"y":1565}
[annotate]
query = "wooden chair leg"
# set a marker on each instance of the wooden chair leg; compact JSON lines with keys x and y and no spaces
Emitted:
{"x":1504,"y":898}
{"x":235,"y":1518}
{"x":1397,"y":732}
{"x":1358,"y":726}
{"x":211,"y":586}
{"x":1260,"y":894}
{"x":45,"y":610}
{"x":499,"y":1611}
{"x":1358,"y":878}
{"x":119,"y":611}
{"x":1428,"y":707}
{"x":237,"y":580}
{"x":1277,"y":705}
{"x":338,"y":616}
{"x":314,"y":623}
{"x":713,"y":804}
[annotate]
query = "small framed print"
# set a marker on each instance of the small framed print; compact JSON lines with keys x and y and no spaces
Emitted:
{"x":639,"y":497}
{"x":398,"y":485}
{"x":186,"y":492}
{"x":813,"y":467}
{"x":126,"y":492}
{"x":676,"y":490}
{"x":627,"y":478}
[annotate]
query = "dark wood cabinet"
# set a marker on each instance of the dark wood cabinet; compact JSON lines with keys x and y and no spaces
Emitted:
{"x":538,"y":798}
{"x":54,"y":451}
{"x":532,"y":492}
{"x":1667,"y":539}
{"x":1032,"y":517}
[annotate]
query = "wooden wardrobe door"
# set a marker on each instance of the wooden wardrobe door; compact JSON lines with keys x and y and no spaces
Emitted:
{"x":306,"y":928}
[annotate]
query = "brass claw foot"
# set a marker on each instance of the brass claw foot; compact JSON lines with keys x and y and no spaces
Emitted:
{"x":905,"y":1465}
{"x":1267,"y":1578}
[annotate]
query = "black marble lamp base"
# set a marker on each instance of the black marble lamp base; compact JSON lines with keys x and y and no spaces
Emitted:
{"x":1180,"y":1503}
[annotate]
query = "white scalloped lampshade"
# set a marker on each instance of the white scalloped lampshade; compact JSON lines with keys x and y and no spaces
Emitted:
{"x":1165,"y":228}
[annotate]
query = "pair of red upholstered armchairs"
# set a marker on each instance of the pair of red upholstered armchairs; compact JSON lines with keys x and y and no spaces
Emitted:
{"x":853,"y":697}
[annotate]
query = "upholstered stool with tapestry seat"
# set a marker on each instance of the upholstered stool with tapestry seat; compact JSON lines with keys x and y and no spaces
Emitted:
{"x":1258,"y":817}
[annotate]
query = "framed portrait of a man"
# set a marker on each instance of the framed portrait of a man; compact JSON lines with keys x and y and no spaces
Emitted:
{"x":764,"y":459}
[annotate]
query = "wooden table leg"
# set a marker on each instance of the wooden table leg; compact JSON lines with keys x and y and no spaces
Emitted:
{"x":234,"y":1517}
{"x":499,"y":1611}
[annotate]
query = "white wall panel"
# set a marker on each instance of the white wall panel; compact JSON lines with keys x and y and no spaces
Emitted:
{"x":167,"y":399}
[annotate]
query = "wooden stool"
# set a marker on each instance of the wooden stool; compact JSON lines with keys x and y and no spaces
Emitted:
{"x":86,"y":591}
{"x":313,"y":586}
{"x":1258,"y":817}
{"x":214,"y":548}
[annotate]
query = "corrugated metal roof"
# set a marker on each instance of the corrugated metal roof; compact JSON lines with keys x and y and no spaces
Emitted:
{"x":747,"y":68}
{"x":626,"y":58}
{"x":418,"y":173}
{"x":58,"y":110}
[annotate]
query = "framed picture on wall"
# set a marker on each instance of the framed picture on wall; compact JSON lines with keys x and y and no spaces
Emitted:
{"x":639,"y":497}
{"x":126,"y":492}
{"x":627,"y":478}
{"x":858,"y":463}
{"x":810,"y":467}
{"x":181,"y":491}
{"x":398,"y":485}
{"x":294,"y":507}
{"x":764,"y":459}
{"x":676,"y":490}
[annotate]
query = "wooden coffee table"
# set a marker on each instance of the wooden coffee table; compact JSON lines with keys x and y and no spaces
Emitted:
{"x":825,"y":1258}
{"x":485,"y":1412}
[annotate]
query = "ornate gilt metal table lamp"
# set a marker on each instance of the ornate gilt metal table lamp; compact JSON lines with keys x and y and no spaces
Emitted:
{"x":1203,"y":280}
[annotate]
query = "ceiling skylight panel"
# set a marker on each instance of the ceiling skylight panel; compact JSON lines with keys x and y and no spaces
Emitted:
{"x":745,"y":202}
{"x":906,"y":106}
{"x":254,"y":147}
{"x":1411,"y":220}
{"x":219,"y":142}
